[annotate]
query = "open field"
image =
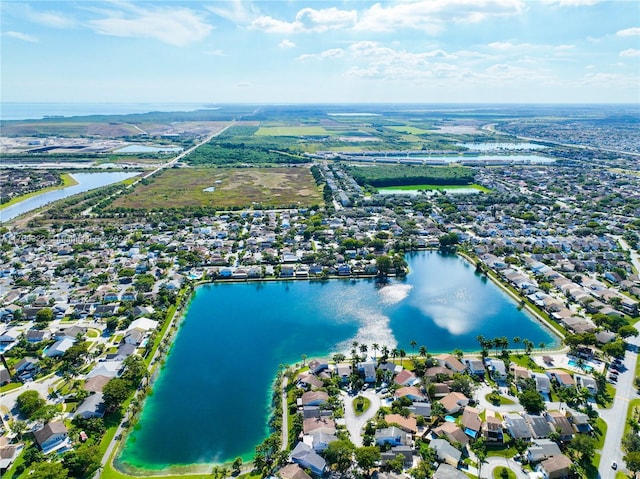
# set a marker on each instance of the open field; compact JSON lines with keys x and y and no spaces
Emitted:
{"x":292,"y":131}
{"x":437,"y":187}
{"x":233,"y":187}
{"x":411,"y":130}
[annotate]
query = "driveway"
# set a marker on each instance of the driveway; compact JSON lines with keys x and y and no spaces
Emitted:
{"x":492,"y":462}
{"x":356,"y":423}
{"x":614,"y":417}
{"x":481,"y":393}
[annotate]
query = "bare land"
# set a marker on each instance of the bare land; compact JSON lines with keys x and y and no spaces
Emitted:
{"x":232,"y":187}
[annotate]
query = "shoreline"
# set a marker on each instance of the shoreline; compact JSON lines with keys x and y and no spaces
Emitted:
{"x":67,"y":180}
{"x":173,"y":328}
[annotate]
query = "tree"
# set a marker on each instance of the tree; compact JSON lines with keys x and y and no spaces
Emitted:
{"x":237,"y":464}
{"x":383,"y":263}
{"x":134,"y":369}
{"x":449,"y":240}
{"x":532,"y":401}
{"x":615,"y":348}
{"x":49,"y":470}
{"x":82,"y":461}
{"x":44,"y":315}
{"x":112,"y":324}
{"x":479,"y":448}
{"x":338,"y":454}
{"x":144,"y":283}
{"x":632,"y":460}
{"x":462,"y":384}
{"x":366,"y":458}
{"x":29,"y":402}
{"x":583,"y":447}
{"x":627,"y":331}
{"x":115,"y":392}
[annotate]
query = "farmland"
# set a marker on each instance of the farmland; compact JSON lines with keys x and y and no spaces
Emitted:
{"x":228,"y":188}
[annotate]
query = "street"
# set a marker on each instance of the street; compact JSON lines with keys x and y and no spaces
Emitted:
{"x":615,"y":416}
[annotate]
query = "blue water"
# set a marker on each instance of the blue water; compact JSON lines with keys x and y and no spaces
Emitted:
{"x":213,"y":394}
{"x":86,"y":182}
{"x":574,"y":364}
{"x":31,"y":111}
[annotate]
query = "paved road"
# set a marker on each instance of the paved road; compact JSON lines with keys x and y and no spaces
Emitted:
{"x":285,"y":415}
{"x":635,"y":257}
{"x":356,"y":423}
{"x":615,"y":416}
{"x":492,"y":462}
{"x":482,"y":391}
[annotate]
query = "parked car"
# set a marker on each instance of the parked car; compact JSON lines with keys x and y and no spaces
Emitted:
{"x":614,"y":465}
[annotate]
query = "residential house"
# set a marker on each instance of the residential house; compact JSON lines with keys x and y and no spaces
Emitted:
{"x":391,"y":435}
{"x":451,"y":362}
{"x":446,"y":452}
{"x":96,"y":383}
{"x":454,"y":402}
{"x":307,"y":458}
{"x":292,"y":471}
{"x":27,"y":367}
{"x":538,"y":425}
{"x":446,"y":471}
{"x":492,"y":429}
{"x":407,"y":424}
{"x":556,"y":467}
{"x":368,"y":371}
{"x":92,"y":406}
{"x":8,"y":454}
{"x":316,"y":366}
{"x":110,"y":369}
{"x":421,"y":409}
{"x":318,"y":424}
{"x":452,"y":432}
{"x":517,"y":426}
{"x":541,"y":449}
{"x":411,"y":392}
{"x":319,"y":440}
{"x":543,"y":384}
{"x":405,"y":378}
{"x":58,"y":348}
{"x":475,"y":366}
{"x":52,"y":436}
{"x":314,"y":398}
{"x":405,"y":451}
{"x":561,"y":424}
{"x":497,"y":369}
{"x":471,"y":421}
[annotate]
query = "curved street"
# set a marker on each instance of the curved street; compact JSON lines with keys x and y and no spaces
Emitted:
{"x":480,"y":395}
{"x":493,"y":462}
{"x":356,"y":423}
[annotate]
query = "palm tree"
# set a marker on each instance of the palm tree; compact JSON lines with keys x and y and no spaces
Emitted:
{"x":422,"y":351}
{"x":375,"y":347}
{"x":394,"y":353}
{"x":385,"y":353}
{"x":402,"y":354}
{"x":338,"y":358}
{"x":363,"y":350}
{"x":413,"y":344}
{"x":304,"y":360}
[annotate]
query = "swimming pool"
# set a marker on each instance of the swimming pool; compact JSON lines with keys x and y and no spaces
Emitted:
{"x":575,"y":364}
{"x":450,"y":419}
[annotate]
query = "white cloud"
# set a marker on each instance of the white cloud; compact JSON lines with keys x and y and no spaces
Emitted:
{"x":243,"y":84}
{"x":286,"y":44}
{"x":175,"y":26}
{"x":629,"y":32}
{"x":331,"y":53}
{"x":236,"y":11}
{"x":631,"y":52}
{"x":308,"y":20}
{"x":46,"y":18}
{"x":572,"y":3}
{"x":21,"y":36}
{"x":432,"y":16}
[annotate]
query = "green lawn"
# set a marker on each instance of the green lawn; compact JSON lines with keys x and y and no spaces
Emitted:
{"x":9,"y":387}
{"x":67,"y":180}
{"x":435,"y":187}
{"x":503,"y":473}
{"x":292,"y":131}
{"x":360,"y":405}
{"x":411,"y":130}
{"x":601,"y":432}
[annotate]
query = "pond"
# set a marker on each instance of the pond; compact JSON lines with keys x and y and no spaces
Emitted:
{"x":214,"y":390}
{"x":86,"y":182}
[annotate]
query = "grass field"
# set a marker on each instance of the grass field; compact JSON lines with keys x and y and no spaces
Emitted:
{"x":233,"y":187}
{"x":292,"y":131}
{"x":436,"y":187}
{"x":411,"y":130}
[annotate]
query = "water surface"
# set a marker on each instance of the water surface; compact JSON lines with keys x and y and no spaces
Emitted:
{"x":213,"y":393}
{"x":86,"y":182}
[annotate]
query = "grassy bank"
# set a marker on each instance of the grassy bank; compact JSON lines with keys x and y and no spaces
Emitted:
{"x":67,"y":180}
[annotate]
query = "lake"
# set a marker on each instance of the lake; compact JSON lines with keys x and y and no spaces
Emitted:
{"x":86,"y":182}
{"x":213,"y":393}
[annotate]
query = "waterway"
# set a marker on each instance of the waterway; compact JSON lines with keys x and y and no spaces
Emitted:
{"x":211,"y":401}
{"x":86,"y":182}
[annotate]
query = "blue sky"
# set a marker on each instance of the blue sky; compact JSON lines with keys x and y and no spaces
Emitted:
{"x":538,"y":51}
